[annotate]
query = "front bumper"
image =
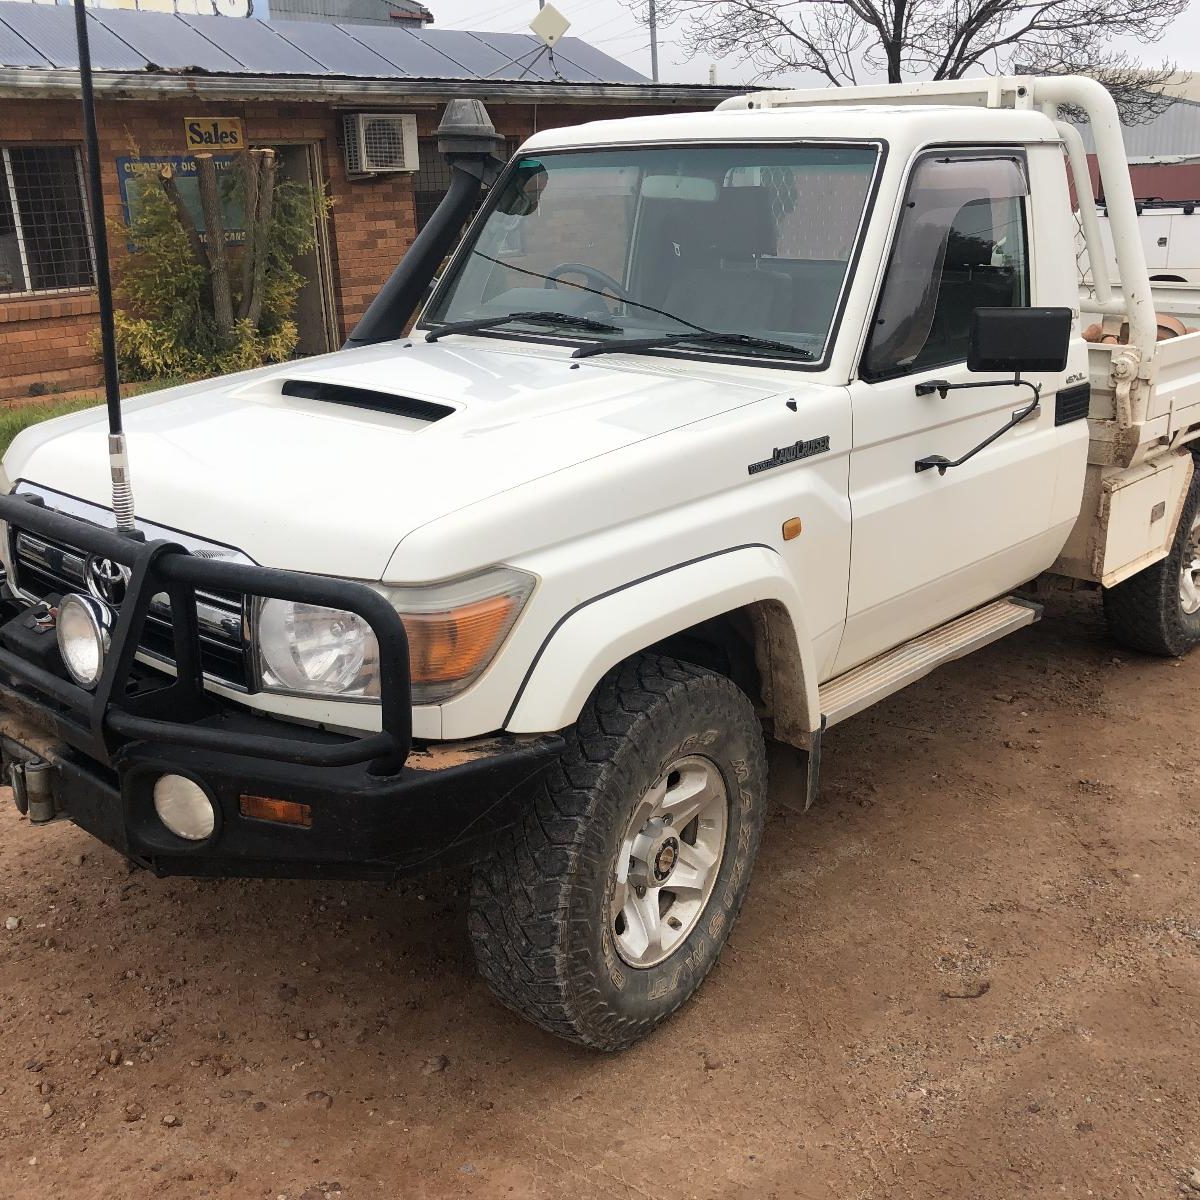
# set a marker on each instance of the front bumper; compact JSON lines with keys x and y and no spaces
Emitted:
{"x":377,"y":805}
{"x":445,"y":806}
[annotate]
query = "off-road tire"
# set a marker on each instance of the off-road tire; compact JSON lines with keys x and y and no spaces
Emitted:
{"x":1145,"y":613}
{"x":540,"y":918}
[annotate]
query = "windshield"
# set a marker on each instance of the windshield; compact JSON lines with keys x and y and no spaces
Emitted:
{"x":752,"y":240}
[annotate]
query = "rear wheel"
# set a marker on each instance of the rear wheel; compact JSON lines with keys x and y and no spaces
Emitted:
{"x":1157,"y":611}
{"x":603,"y":910}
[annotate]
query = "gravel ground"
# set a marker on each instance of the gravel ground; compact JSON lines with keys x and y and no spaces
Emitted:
{"x":972,"y":971}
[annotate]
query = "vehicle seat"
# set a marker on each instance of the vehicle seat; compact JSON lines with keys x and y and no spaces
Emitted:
{"x":727,"y":285}
{"x":968,"y":281}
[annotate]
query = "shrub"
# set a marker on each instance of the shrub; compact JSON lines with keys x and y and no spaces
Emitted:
{"x":165,"y":324}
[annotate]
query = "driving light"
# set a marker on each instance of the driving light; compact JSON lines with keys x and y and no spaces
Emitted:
{"x":84,"y":636}
{"x":184,"y":808}
{"x":454,"y":630}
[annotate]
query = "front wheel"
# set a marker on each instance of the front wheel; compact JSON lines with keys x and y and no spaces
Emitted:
{"x":1157,"y":611}
{"x":605,"y":907}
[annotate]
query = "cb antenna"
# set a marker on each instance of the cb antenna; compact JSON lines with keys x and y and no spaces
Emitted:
{"x":118,"y":458}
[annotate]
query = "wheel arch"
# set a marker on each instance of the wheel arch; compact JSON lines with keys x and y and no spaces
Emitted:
{"x":737,"y":612}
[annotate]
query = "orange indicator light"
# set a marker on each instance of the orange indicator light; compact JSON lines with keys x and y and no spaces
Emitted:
{"x":282,"y":812}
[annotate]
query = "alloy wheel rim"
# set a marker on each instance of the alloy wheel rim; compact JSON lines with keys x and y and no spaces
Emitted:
{"x":1189,"y":572}
{"x":668,"y":861}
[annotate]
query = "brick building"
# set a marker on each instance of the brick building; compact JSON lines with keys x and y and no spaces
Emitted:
{"x":291,"y":86}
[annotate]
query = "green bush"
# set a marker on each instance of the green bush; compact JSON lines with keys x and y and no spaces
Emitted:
{"x":13,"y":420}
{"x":164,"y":321}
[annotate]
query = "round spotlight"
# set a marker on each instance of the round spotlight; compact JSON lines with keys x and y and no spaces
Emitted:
{"x":184,"y":808}
{"x":84,"y":636}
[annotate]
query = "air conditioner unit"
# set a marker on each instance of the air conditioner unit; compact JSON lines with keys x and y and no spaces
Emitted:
{"x":380,"y":142}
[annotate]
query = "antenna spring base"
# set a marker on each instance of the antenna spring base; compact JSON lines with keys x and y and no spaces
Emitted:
{"x":122,"y":490}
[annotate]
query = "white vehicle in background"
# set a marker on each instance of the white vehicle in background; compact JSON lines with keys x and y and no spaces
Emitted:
{"x":1170,"y":233}
{"x":716,"y":426}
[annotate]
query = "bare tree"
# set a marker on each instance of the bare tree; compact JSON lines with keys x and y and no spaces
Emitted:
{"x":848,"y":41}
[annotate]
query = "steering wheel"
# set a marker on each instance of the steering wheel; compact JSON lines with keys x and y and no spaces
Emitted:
{"x":593,"y":275}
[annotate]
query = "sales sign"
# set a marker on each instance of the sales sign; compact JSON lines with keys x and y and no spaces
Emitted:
{"x":213,"y":133}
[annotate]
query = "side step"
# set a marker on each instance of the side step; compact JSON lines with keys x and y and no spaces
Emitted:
{"x":872,"y":681}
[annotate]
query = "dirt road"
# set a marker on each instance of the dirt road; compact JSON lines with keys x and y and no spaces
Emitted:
{"x":972,"y":971}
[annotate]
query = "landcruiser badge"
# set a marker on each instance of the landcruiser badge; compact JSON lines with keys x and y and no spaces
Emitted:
{"x":790,"y":454}
{"x":106,"y":579}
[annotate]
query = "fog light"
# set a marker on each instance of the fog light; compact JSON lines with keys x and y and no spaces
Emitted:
{"x":84,"y":636}
{"x":184,"y":808}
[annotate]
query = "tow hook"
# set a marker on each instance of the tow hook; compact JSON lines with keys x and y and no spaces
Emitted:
{"x":32,"y":784}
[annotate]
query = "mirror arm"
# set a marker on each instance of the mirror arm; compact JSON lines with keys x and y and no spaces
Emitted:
{"x":942,"y":387}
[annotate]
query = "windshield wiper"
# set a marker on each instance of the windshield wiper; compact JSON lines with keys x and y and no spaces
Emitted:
{"x":633,"y":345}
{"x":547,"y":317}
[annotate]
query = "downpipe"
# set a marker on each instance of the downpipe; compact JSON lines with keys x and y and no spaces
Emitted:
{"x":470,"y":143}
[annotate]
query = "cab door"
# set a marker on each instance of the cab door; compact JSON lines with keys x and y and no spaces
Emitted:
{"x":927,"y":547}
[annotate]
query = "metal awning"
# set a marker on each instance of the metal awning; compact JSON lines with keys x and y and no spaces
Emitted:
{"x":19,"y":83}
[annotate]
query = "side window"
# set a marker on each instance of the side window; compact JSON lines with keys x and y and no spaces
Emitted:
{"x":961,"y":245}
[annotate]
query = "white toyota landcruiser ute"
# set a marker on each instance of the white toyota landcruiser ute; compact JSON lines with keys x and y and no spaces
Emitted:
{"x":714,"y":427}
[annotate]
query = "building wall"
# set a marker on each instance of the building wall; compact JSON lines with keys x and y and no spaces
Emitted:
{"x":1175,"y":131}
{"x":354,"y":12}
{"x":47,"y":342}
{"x":1156,"y":181}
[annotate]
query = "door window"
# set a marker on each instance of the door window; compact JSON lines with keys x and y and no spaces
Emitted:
{"x":961,"y":245}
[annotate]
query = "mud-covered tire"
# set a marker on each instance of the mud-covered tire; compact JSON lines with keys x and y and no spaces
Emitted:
{"x":541,"y":920}
{"x":1147,"y":612}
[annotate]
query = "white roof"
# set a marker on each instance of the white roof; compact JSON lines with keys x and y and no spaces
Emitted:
{"x":900,"y":124}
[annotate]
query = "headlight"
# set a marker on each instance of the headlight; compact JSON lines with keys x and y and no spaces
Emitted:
{"x":454,"y":630}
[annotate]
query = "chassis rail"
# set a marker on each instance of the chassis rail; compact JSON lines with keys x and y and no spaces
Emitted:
{"x":99,"y":721}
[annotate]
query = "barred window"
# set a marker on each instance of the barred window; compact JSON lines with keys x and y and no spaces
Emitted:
{"x":432,"y":180}
{"x":44,"y":242}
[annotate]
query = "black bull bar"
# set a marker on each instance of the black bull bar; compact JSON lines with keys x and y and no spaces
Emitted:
{"x":99,"y":721}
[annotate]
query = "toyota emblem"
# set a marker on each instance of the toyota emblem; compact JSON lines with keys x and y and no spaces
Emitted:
{"x":106,"y":580}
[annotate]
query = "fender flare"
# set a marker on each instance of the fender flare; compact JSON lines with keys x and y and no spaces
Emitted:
{"x":603,"y":631}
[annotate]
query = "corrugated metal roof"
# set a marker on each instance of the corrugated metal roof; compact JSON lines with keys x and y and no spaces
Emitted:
{"x":40,"y":37}
{"x":409,"y":8}
{"x":1177,"y":131}
{"x":364,"y":12}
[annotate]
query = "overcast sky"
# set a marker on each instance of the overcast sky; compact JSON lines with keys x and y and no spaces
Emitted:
{"x":609,"y":25}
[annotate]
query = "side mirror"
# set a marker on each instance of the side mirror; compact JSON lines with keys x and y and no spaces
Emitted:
{"x":1012,"y":340}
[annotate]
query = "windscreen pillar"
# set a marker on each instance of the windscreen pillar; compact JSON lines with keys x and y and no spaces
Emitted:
{"x":469,"y":142}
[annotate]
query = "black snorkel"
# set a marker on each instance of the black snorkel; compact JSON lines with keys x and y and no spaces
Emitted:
{"x":469,"y":141}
